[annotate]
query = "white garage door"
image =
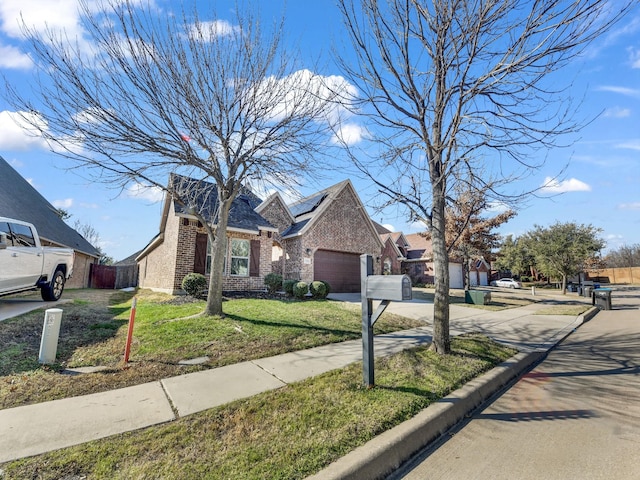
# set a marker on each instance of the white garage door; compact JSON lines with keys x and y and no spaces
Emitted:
{"x":455,"y":275}
{"x":484,"y":281}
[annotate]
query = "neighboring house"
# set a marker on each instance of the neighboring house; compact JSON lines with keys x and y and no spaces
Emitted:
{"x":182,"y":247}
{"x":322,"y":236}
{"x":394,"y":252}
{"x":19,"y":200}
{"x":479,"y":270}
{"x":419,"y":262}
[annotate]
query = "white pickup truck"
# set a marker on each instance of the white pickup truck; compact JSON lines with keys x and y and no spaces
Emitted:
{"x":27,"y":265}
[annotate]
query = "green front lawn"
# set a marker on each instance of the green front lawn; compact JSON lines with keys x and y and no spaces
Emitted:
{"x":287,"y":433}
{"x":167,"y":331}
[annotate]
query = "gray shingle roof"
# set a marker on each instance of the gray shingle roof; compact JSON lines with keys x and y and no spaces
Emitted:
{"x":242,"y":214}
{"x":19,"y":200}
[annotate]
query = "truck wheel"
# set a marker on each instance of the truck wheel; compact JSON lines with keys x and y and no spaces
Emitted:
{"x":52,"y":291}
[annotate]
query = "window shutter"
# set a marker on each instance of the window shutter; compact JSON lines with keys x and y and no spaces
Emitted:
{"x":200,"y":259}
{"x":254,"y":259}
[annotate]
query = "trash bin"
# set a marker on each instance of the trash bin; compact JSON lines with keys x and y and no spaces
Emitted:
{"x":602,"y":298}
{"x":587,"y":290}
{"x":477,"y":297}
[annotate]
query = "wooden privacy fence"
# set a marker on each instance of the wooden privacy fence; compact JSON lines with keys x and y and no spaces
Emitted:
{"x":615,"y":275}
{"x":113,"y":277}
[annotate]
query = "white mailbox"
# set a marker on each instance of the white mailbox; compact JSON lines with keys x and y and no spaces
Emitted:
{"x":389,"y":287}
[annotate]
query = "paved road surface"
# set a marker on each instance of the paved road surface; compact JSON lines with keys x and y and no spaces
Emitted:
{"x":575,"y":416}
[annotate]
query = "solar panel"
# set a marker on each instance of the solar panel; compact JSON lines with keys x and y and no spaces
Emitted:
{"x":307,"y":205}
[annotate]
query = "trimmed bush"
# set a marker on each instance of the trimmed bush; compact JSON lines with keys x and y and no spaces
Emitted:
{"x":318,"y":289}
{"x":194,"y":284}
{"x":273,"y":281}
{"x":300,"y":289}
{"x":327,"y":286}
{"x":288,"y":285}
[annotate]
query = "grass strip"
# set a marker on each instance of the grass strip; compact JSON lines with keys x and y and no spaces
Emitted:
{"x":288,"y":433}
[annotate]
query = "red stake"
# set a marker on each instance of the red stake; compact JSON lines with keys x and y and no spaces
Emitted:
{"x":132,"y":317}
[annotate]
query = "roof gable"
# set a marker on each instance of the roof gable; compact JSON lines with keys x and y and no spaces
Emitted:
{"x":311,"y":208}
{"x":19,"y":200}
{"x":419,"y":246}
{"x":242,"y":215}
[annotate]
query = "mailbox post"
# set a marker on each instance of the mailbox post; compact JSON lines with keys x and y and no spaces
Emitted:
{"x":386,"y":288}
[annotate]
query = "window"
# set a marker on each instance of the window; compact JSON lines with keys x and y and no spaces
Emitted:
{"x":386,"y":268}
{"x":4,"y":229}
{"x":207,"y":265}
{"x":239,"y":257}
{"x":22,"y":236}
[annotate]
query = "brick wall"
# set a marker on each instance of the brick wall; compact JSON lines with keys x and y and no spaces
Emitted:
{"x":389,"y":252}
{"x":343,"y":227}
{"x":157,"y":269}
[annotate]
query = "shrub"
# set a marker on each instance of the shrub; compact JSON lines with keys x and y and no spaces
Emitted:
{"x":288,"y":285}
{"x":273,"y":281}
{"x":327,"y":286}
{"x":300,"y":289}
{"x":318,"y":289}
{"x":194,"y":284}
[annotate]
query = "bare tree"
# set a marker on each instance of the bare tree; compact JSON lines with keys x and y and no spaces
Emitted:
{"x":462,"y":91}
{"x":145,"y":94}
{"x":470,"y":232}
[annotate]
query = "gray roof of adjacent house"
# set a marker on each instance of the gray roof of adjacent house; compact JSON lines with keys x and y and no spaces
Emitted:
{"x":202,"y":196}
{"x":19,"y":200}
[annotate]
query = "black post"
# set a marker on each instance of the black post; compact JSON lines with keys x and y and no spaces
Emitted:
{"x":366,"y":269}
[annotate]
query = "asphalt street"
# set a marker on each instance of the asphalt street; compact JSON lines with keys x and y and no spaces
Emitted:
{"x":575,"y":416}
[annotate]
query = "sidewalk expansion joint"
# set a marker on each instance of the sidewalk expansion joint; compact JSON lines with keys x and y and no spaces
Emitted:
{"x":174,"y":409}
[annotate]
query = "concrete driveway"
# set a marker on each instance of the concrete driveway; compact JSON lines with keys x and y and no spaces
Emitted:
{"x":12,"y":307}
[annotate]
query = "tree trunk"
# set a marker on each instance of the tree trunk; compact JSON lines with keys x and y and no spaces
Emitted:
{"x":441,"y":340}
{"x":218,"y":251}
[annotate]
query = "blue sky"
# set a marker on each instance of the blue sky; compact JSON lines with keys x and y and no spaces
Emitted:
{"x":601,"y":185}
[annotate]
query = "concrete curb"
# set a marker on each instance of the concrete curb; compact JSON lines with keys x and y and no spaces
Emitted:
{"x":388,"y":451}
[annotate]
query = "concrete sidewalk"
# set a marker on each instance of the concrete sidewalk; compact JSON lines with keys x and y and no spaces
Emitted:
{"x":35,"y":429}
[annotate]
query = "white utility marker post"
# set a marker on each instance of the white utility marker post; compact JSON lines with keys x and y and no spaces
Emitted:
{"x":50,"y":333}
{"x":379,"y":287}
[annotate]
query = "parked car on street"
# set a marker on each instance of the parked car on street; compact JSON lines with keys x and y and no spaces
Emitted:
{"x":508,"y":283}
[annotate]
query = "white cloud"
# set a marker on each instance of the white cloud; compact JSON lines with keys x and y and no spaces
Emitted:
{"x":552,"y":185}
{"x":629,"y":206}
{"x":39,"y":15}
{"x":630,"y":145}
{"x":15,"y":134}
{"x":63,"y":203}
{"x":217,"y":28}
{"x":629,"y":92}
{"x":145,"y":192}
{"x":498,"y":207}
{"x":12,"y":58}
{"x":634,"y":57}
{"x":389,"y":227}
{"x":349,"y":134}
{"x":617,"y":112}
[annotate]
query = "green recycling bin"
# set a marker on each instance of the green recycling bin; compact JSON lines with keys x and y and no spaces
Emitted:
{"x":477,"y":297}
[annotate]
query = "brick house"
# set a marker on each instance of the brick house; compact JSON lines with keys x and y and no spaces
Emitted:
{"x":419,"y":262}
{"x":394,"y":252}
{"x":181,"y":246}
{"x":320,"y":237}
